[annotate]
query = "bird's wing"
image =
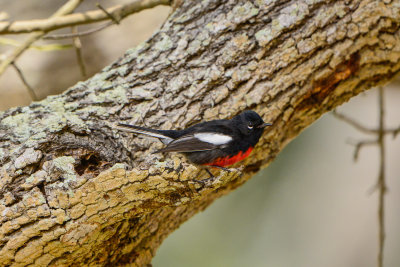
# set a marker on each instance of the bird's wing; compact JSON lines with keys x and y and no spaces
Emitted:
{"x":197,"y":142}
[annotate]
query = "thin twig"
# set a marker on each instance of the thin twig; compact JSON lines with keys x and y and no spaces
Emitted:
{"x":65,"y":9}
{"x":62,"y":19}
{"x":29,"y":88}
{"x":381,"y":178}
{"x":78,"y":34}
{"x":362,"y":128}
{"x":395,"y":132}
{"x":360,"y":145}
{"x":53,"y":23}
{"x":381,"y":183}
{"x":353,"y":123}
{"x":111,"y":16}
{"x":78,"y":45}
{"x":45,"y":47}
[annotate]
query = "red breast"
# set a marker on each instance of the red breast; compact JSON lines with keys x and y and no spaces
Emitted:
{"x":229,"y":160}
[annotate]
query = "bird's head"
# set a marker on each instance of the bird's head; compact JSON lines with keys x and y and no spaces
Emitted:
{"x":249,"y":122}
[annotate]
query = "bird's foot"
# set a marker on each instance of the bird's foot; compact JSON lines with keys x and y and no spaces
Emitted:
{"x":210,"y":179}
{"x":228,"y":169}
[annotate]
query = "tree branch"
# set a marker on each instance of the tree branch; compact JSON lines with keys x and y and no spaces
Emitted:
{"x":78,"y":51}
{"x":65,"y":9}
{"x":29,"y":88}
{"x":381,"y":178}
{"x":73,"y":190}
{"x":361,"y":127}
{"x":360,"y":144}
{"x":109,"y":15}
{"x":353,"y":123}
{"x":61,"y":20}
{"x":54,"y":23}
{"x":78,"y":34}
{"x":381,"y":183}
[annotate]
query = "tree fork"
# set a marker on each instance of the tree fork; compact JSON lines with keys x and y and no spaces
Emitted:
{"x":73,"y":190}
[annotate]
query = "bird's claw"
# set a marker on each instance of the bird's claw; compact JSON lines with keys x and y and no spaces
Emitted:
{"x":204,"y":181}
{"x":212,"y":177}
{"x":229,"y":169}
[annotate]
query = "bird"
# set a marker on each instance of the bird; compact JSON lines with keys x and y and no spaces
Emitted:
{"x":216,"y":143}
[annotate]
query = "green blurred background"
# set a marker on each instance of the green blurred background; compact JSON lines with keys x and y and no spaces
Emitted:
{"x":313,"y":206}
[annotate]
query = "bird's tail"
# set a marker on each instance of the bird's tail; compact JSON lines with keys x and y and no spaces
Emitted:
{"x":146,"y":131}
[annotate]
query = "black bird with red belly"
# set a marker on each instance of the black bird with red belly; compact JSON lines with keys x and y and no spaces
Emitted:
{"x":217,"y":143}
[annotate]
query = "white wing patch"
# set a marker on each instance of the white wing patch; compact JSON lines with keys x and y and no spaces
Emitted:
{"x":213,"y":138}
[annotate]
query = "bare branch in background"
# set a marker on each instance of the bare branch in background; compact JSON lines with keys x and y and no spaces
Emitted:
{"x":62,"y":18}
{"x":381,"y":183}
{"x":395,"y":132}
{"x":30,"y":90}
{"x":4,"y":16}
{"x":360,"y":144}
{"x":44,"y":47}
{"x":65,"y":9}
{"x":381,"y":177}
{"x":353,"y":123}
{"x":111,"y":16}
{"x":54,"y":23}
{"x":361,"y":127}
{"x":78,"y":50}
{"x":78,"y":34}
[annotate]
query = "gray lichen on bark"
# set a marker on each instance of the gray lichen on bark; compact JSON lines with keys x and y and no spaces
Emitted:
{"x":74,"y":190}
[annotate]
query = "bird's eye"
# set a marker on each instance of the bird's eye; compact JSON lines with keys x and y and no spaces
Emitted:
{"x":250,"y":126}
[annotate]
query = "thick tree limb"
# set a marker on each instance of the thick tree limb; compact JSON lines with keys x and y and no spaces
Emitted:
{"x":75,"y":191}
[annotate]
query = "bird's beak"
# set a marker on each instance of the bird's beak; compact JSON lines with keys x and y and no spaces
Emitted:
{"x":264,"y":125}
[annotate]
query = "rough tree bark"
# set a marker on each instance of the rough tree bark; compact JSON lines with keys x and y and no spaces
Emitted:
{"x":75,"y":191}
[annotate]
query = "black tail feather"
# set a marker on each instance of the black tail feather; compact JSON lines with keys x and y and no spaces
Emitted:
{"x":146,"y":131}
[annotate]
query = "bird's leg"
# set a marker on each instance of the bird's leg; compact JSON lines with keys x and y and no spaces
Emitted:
{"x":222,"y":168}
{"x":211,"y":178}
{"x":227,"y":169}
